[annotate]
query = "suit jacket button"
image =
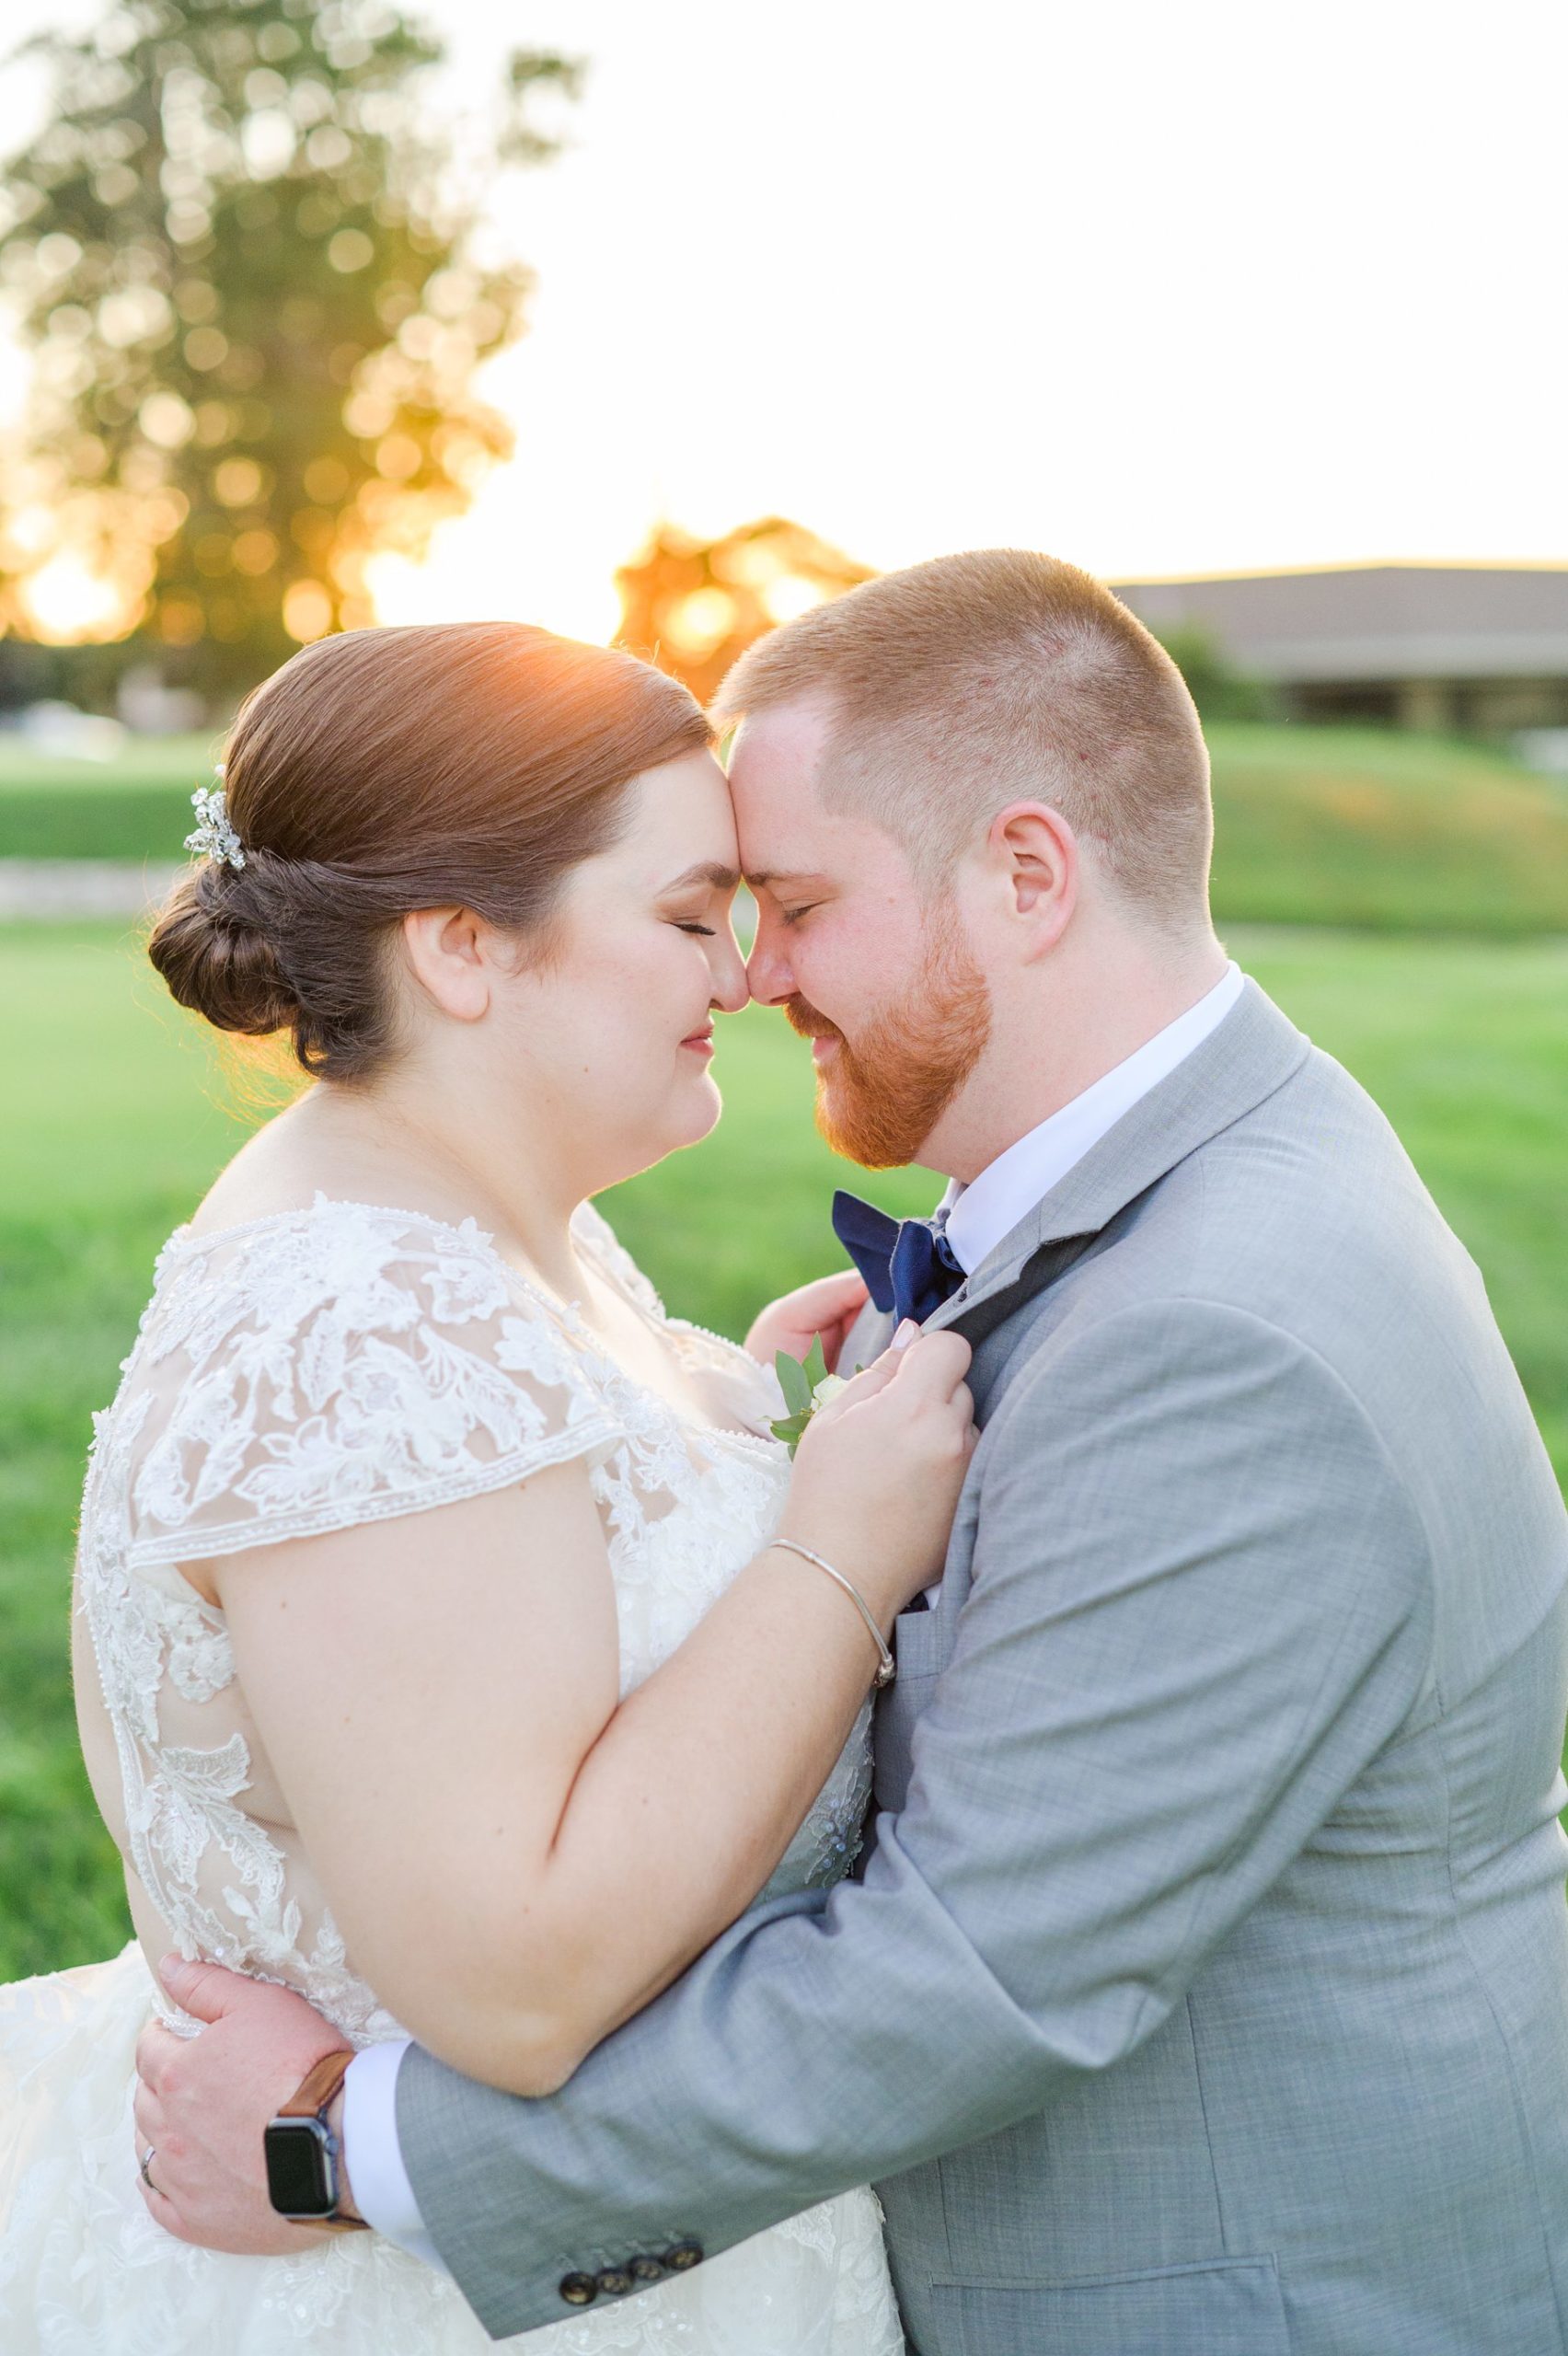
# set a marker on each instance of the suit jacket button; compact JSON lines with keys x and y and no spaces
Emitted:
{"x":684,"y":2257}
{"x":579,"y":2289}
{"x":616,"y":2281}
{"x":647,"y":2269}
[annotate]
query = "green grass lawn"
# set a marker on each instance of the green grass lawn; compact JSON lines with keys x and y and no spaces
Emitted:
{"x":117,"y":1115}
{"x":1372,"y":827}
{"x":135,"y":807}
{"x":1316,"y":826}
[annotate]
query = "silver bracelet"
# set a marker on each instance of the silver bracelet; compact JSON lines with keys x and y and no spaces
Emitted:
{"x":887,"y":1668}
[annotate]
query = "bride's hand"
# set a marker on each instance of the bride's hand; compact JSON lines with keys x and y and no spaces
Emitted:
{"x":878,"y":1472}
{"x":828,"y":1307}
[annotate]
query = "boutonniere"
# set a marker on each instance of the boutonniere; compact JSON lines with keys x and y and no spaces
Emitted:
{"x":807,"y":1385}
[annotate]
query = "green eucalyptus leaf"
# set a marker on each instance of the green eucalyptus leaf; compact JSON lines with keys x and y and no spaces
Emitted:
{"x":815,"y":1364}
{"x":794,"y":1382}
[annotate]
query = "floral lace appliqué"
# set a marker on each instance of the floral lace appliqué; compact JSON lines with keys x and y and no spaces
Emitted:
{"x":309,"y":1372}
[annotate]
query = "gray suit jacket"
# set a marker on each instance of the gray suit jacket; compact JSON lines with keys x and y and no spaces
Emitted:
{"x":1206,"y":1989}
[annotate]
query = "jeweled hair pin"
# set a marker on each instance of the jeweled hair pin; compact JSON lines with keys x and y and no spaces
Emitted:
{"x":213,"y":835}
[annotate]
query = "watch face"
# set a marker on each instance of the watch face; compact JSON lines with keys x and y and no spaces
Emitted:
{"x":299,"y":2172}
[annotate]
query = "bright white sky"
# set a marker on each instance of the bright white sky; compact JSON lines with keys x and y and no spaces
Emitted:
{"x":1158,"y":289}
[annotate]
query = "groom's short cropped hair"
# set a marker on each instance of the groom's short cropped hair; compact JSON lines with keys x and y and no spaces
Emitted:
{"x":957,"y":687}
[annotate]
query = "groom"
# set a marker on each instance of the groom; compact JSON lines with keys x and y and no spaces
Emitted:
{"x":1205,"y":1990}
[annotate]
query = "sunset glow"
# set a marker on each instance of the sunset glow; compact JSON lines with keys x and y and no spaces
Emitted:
{"x":1161,"y":291}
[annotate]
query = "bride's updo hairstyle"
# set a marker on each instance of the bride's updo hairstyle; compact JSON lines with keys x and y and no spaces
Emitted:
{"x":465,"y":765}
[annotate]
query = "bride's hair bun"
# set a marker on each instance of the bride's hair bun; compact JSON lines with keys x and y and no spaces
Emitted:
{"x":461,"y":765}
{"x":215,"y":959}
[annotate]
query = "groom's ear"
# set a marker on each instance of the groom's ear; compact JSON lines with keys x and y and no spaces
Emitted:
{"x":1033,"y":855}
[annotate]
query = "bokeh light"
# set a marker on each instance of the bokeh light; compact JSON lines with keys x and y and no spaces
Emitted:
{"x":68,"y":599}
{"x":307,"y":611}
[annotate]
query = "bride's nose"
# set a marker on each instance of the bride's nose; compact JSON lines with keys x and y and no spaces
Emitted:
{"x":731,"y":992}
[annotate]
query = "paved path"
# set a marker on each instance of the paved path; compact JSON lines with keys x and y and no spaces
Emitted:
{"x":55,"y":888}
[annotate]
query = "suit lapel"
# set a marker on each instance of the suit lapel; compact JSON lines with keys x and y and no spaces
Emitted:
{"x":1253,"y":1051}
{"x":867,"y":1338}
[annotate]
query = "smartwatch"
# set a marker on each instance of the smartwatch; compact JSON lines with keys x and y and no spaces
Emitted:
{"x":302,"y":2151}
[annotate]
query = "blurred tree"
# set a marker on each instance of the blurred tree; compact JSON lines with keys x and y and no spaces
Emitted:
{"x":694,"y":605}
{"x":255,"y":286}
{"x":1219,"y":692}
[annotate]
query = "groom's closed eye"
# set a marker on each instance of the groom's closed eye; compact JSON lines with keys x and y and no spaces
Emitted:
{"x":791,"y":896}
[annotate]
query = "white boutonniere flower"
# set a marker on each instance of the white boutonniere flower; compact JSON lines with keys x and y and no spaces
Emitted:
{"x":807,"y":1387}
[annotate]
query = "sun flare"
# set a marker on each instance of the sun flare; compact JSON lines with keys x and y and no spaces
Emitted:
{"x":65,"y":600}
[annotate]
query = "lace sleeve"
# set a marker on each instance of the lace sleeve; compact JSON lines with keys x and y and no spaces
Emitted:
{"x":339,"y":1366}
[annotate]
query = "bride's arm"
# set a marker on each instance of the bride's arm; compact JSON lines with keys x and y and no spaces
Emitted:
{"x":516,"y":1863}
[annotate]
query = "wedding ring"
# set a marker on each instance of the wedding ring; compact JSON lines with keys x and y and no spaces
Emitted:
{"x":146,"y":2164}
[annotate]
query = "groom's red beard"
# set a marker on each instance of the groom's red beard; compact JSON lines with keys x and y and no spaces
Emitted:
{"x":880,"y":1098}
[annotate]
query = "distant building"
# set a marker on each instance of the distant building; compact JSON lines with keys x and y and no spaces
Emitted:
{"x":1477,"y":649}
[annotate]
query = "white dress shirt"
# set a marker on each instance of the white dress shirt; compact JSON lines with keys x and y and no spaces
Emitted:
{"x":980,"y":1214}
{"x":978,"y":1217}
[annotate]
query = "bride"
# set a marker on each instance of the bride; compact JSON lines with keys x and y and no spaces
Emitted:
{"x":453,"y":1644}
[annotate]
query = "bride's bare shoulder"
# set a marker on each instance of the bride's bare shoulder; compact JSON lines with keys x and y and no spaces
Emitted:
{"x":294,"y":1160}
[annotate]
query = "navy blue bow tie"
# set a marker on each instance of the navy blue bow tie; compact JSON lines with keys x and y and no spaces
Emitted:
{"x":908,"y":1263}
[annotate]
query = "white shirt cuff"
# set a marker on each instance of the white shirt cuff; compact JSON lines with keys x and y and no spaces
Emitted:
{"x":373,"y":2156}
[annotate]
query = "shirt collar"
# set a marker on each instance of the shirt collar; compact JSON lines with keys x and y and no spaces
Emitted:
{"x":976,"y":1216}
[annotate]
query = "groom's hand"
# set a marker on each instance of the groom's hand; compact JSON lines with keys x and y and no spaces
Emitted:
{"x":202,"y":2103}
{"x":829,"y":1308}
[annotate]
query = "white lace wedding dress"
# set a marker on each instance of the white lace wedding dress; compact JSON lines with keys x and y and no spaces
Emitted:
{"x":303,"y":1373}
